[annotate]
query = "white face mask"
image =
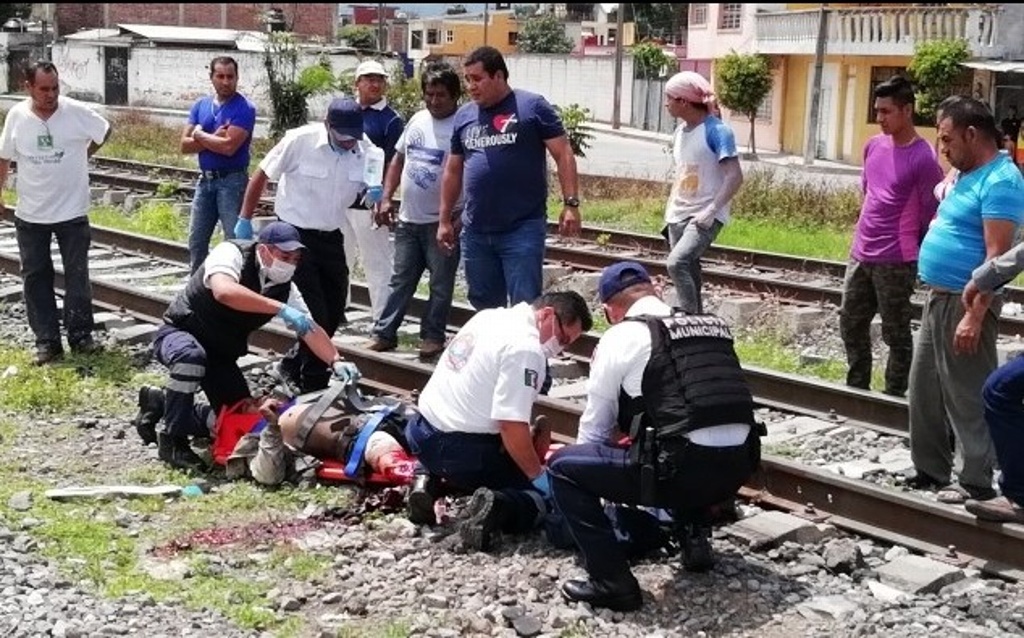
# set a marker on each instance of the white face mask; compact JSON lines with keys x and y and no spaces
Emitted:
{"x":278,"y":272}
{"x":552,"y":347}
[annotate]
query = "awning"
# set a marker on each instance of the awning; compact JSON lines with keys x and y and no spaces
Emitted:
{"x":1003,"y":66}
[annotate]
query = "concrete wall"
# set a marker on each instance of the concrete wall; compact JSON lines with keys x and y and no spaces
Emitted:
{"x":174,"y":78}
{"x":587,"y":81}
{"x":1010,"y":33}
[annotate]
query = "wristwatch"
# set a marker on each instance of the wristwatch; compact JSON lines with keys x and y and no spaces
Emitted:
{"x":571,"y":201}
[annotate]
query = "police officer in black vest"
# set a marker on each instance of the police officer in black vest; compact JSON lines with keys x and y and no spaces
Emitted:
{"x":673,"y":384}
{"x":241,"y":286}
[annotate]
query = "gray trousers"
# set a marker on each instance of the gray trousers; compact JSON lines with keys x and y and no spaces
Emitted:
{"x":945,"y":392}
{"x":687,"y":242}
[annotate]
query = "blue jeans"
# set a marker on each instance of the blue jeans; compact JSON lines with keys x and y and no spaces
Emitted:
{"x":504,"y":268}
{"x":37,"y":274}
{"x":687,"y":242}
{"x":467,"y":461}
{"x":1003,"y":395}
{"x":416,"y":250}
{"x":216,"y":199}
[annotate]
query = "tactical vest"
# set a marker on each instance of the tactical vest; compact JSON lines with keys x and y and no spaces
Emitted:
{"x":223,"y":331}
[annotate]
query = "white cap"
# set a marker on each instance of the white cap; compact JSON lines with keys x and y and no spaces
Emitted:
{"x":370,"y":67}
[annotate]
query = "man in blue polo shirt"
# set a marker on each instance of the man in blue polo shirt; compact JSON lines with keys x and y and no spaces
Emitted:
{"x":955,"y":350}
{"x":219,"y":129}
{"x":499,"y":155}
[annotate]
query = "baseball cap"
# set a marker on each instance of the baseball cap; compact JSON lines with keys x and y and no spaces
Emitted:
{"x":281,"y":235}
{"x":618,"y":277}
{"x":345,"y":117}
{"x":370,"y":67}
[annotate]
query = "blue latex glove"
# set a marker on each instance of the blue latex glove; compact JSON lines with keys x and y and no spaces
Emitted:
{"x":345,"y":371}
{"x":296,"y":320}
{"x":243,"y":228}
{"x":374,"y":194}
{"x":543,"y":484}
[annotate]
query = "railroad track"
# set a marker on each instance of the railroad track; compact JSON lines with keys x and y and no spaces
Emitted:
{"x":859,"y":506}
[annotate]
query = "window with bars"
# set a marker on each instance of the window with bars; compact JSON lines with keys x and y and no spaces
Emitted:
{"x":764,"y":111}
{"x":698,"y":15}
{"x":730,"y":16}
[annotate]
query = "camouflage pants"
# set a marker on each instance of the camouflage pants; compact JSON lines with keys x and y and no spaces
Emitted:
{"x":885,"y":289}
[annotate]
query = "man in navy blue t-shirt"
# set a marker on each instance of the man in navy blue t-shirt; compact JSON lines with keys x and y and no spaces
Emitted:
{"x":220,"y":130}
{"x":498,"y":154}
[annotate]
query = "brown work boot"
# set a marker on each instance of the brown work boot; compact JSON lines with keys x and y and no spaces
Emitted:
{"x":430,"y":349}
{"x":380,"y":345}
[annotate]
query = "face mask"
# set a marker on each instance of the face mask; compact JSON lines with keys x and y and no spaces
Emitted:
{"x":278,"y":272}
{"x":552,"y":347}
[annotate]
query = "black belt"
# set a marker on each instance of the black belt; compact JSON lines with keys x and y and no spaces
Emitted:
{"x":221,"y":173}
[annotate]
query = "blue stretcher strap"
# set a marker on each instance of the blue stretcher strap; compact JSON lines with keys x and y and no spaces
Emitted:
{"x":355,"y":459}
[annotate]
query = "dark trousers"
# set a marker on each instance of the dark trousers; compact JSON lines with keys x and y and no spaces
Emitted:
{"x":582,"y":475}
{"x":1003,"y":395}
{"x":322,"y":278}
{"x":190,"y":368}
{"x":37,"y":275}
{"x":467,"y":461}
{"x":416,"y":250}
{"x":885,"y":289}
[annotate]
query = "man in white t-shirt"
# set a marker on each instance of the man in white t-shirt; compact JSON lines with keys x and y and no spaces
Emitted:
{"x":417,"y":165}
{"x":708,"y":176}
{"x":473,"y":430}
{"x":51,"y":138}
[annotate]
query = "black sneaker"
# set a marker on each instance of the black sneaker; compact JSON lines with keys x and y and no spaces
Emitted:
{"x":696,"y":545}
{"x":151,"y":410}
{"x":176,"y":452}
{"x":48,"y":353}
{"x":480,"y":527}
{"x":420,"y":501}
{"x":922,"y":481}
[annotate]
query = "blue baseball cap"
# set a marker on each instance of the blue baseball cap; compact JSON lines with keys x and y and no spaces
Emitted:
{"x":282,"y":236}
{"x":618,"y":277}
{"x":345,"y":117}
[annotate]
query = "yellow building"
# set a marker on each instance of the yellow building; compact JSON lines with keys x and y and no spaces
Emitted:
{"x":457,"y":35}
{"x":865,"y":45}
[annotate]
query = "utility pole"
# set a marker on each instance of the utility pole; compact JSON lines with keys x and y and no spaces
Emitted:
{"x":487,"y":18}
{"x":811,"y":147}
{"x":617,"y":91}
{"x":381,"y":30}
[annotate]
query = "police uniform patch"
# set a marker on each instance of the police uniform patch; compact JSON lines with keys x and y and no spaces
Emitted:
{"x":531,"y":378}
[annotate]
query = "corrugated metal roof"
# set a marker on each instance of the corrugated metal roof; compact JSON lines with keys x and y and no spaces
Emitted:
{"x":185,"y":35}
{"x":94,"y":34}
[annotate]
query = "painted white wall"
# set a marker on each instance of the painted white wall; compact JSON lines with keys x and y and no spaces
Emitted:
{"x":564,"y":80}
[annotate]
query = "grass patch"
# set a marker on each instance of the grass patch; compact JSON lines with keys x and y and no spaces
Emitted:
{"x":155,"y":219}
{"x":59,"y":388}
{"x":394,"y":629}
{"x":806,"y":241}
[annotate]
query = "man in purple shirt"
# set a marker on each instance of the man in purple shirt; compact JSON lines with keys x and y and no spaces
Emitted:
{"x":899,"y":176}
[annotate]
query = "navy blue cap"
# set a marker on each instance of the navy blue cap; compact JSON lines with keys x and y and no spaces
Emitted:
{"x":345,"y":117}
{"x":281,"y":235}
{"x":618,"y":277}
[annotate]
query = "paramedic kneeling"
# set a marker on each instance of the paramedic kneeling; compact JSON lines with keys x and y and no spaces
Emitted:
{"x":673,"y":383}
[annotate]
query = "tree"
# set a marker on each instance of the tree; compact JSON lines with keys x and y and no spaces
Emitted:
{"x":359,"y":36}
{"x":936,"y":69}
{"x":290,"y":87}
{"x":649,"y":60}
{"x":543,"y":34}
{"x":743,"y":81}
{"x":664,"y":20}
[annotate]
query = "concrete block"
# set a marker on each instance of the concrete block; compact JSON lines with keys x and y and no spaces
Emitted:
{"x":584,"y":283}
{"x":115,"y":197}
{"x":801,"y":320}
{"x":794,"y":428}
{"x":1008,"y":350}
{"x":133,"y":201}
{"x":96,"y":193}
{"x":251,"y":361}
{"x":137,"y":334}
{"x":739,"y":311}
{"x":771,"y":529}
{"x":883,"y":592}
{"x":856,"y":469}
{"x":553,"y":273}
{"x":896,"y":461}
{"x":918,"y":575}
{"x":572,"y":390}
{"x":809,"y":358}
{"x":11,"y":294}
{"x":110,"y":321}
{"x":566,"y":369}
{"x":875,"y":329}
{"x":827,"y":608}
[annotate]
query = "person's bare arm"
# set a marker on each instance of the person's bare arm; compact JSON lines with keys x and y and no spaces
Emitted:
{"x":999,"y":236}
{"x":226,"y":140}
{"x":451,"y":188}
{"x":516,"y":438}
{"x":569,"y":221}
{"x":93,"y":146}
{"x":188,"y":144}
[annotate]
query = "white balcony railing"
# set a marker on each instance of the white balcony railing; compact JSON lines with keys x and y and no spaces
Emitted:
{"x":878,"y":30}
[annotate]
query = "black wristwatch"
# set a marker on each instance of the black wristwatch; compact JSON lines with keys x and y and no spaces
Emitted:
{"x":571,"y":201}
